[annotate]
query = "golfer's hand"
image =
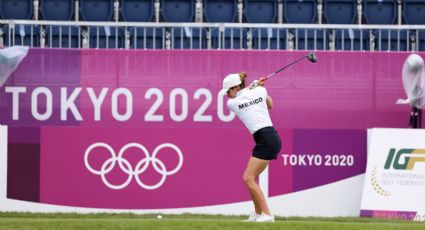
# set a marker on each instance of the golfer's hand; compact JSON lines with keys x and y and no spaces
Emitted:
{"x":262,"y":81}
{"x":259,"y":82}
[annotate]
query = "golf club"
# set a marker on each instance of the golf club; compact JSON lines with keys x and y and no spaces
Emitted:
{"x":310,"y":56}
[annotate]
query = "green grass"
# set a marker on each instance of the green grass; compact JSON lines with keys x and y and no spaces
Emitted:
{"x":10,"y":220}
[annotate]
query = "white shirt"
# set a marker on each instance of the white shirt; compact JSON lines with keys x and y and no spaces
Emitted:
{"x":251,"y":108}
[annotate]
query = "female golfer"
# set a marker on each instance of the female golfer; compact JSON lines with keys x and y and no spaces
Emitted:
{"x":251,"y":105}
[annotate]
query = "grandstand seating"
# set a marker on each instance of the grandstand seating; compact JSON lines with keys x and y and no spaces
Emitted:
{"x":233,"y":38}
{"x":340,"y":11}
{"x":311,"y":39}
{"x":141,"y":11}
{"x":96,"y":10}
{"x":414,"y":12}
{"x":16,"y":9}
{"x":178,"y":10}
{"x":380,"y":11}
{"x":352,"y":40}
{"x":220,"y":10}
{"x":224,"y":11}
{"x":57,"y":10}
{"x":137,"y":10}
{"x":60,"y":36}
{"x":296,"y":11}
{"x":21,"y":35}
{"x":421,"y":40}
{"x":188,"y":38}
{"x":215,"y":11}
{"x":269,"y":38}
{"x":387,"y":40}
{"x":146,"y":38}
{"x":106,"y":37}
{"x":101,"y":37}
{"x":63,"y":37}
{"x":261,"y":11}
{"x":383,"y":12}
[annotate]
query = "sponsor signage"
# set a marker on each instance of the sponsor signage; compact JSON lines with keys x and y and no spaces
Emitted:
{"x":395,"y":175}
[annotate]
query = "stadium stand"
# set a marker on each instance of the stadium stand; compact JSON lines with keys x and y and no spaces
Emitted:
{"x":106,"y":37}
{"x":63,"y":37}
{"x":229,"y":38}
{"x":296,"y":11}
{"x":60,"y":36}
{"x":311,"y":39}
{"x":146,"y":38}
{"x":380,"y":11}
{"x":137,"y":10}
{"x":178,"y":10}
{"x":261,"y":11}
{"x":215,"y":24}
{"x":141,"y":37}
{"x":264,"y":11}
{"x":305,"y":12}
{"x":220,"y":10}
{"x":349,"y":39}
{"x":384,"y":12}
{"x":392,"y":40}
{"x":182,"y":11}
{"x":57,"y":10}
{"x":224,"y":11}
{"x":16,"y":9}
{"x":96,"y":10}
{"x":344,"y":12}
{"x":101,"y":37}
{"x":193,"y":38}
{"x":269,"y":38}
{"x":339,"y":11}
{"x":414,"y":14}
{"x":421,"y":40}
{"x":22,"y":34}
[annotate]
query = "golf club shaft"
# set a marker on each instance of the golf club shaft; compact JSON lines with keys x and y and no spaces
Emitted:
{"x":279,"y":70}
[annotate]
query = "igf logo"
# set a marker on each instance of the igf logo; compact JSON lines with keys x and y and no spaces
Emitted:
{"x":405,"y":159}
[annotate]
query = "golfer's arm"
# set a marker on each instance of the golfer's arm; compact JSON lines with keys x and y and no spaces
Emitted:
{"x":269,"y":102}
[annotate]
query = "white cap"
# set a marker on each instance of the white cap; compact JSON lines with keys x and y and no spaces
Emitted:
{"x":230,"y":81}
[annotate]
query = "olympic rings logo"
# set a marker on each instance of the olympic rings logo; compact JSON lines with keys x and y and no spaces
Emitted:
{"x":126,"y":167}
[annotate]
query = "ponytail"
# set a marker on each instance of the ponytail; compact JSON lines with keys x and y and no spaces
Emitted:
{"x":243,"y":77}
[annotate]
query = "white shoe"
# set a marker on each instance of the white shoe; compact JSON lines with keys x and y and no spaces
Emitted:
{"x":265,"y":218}
{"x":252,"y":218}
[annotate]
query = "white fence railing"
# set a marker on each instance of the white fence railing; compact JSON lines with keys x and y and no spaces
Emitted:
{"x":136,"y":35}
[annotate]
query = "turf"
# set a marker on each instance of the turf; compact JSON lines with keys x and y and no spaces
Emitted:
{"x":10,"y":220}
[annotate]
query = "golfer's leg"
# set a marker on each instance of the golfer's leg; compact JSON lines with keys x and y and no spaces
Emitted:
{"x":256,"y":204}
{"x":254,"y":168}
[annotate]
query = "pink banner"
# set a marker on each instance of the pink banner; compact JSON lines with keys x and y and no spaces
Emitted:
{"x":147,"y":129}
{"x":192,"y":167}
